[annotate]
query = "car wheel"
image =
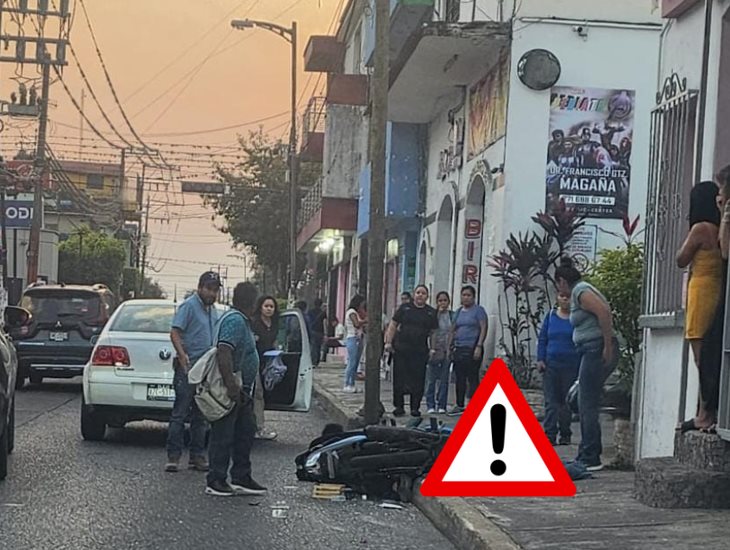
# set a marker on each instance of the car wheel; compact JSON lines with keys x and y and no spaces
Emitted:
{"x":11,"y":428}
{"x":36,"y":379}
{"x":4,"y":453}
{"x":93,"y":425}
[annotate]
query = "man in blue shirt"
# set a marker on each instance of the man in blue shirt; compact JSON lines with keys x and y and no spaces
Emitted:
{"x":231,"y":437}
{"x":192,"y":334}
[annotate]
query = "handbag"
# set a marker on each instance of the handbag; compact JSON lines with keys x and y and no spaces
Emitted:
{"x":211,"y":392}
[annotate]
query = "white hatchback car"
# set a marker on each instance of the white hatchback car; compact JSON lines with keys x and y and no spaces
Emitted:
{"x":129,"y":376}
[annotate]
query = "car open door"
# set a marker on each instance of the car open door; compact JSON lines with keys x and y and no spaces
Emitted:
{"x":294,"y":392}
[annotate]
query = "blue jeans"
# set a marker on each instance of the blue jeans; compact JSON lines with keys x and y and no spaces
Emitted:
{"x":437,"y":374}
{"x":556,"y":383}
{"x":354,"y":354}
{"x":231,"y":439}
{"x":185,"y":406}
{"x":591,"y":377}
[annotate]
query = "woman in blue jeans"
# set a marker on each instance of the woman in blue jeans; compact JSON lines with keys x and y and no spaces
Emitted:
{"x":595,"y":340}
{"x":355,"y":324}
{"x":439,"y":367}
{"x":557,"y":360}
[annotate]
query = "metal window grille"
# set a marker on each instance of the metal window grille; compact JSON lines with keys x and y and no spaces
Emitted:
{"x":452,"y":11}
{"x":670,"y":182}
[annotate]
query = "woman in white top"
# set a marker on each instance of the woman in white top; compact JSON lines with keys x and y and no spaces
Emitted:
{"x":355,"y":323}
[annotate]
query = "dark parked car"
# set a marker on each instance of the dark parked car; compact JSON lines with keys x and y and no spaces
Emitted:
{"x":14,"y":318}
{"x":64,"y":324}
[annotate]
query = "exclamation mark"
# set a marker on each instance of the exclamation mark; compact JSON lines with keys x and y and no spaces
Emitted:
{"x":498,"y":416}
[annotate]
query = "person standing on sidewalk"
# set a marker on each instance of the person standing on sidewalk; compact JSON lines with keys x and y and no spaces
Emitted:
{"x":192,"y":334}
{"x":467,"y":340}
{"x":266,"y":329}
{"x":231,"y":437}
{"x":439,"y":367}
{"x":355,"y":325}
{"x":595,"y":340}
{"x":558,"y":361}
{"x":414,"y":324}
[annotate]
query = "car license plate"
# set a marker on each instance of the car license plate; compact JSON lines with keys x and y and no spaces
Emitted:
{"x":160,"y":392}
{"x":59,"y":336}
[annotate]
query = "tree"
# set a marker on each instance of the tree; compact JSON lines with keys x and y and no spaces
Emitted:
{"x":130,"y":285}
{"x":89,"y":257}
{"x":256,"y":208}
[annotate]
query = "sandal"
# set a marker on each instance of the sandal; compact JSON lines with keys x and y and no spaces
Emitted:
{"x":687,"y":426}
{"x":712,"y":430}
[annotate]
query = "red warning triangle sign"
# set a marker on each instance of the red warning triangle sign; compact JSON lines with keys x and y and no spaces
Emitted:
{"x":498,"y":448}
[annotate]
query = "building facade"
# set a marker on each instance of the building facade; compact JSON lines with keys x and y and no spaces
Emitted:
{"x":689,"y":144}
{"x":473,"y":112}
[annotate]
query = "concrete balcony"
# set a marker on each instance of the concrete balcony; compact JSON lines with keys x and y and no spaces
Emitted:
{"x":406,"y":18}
{"x":324,"y":54}
{"x":324,"y":219}
{"x":444,"y":57}
{"x":313,"y":131}
{"x":347,"y":89}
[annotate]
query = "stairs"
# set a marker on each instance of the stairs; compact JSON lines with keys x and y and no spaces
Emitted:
{"x":697,"y":476}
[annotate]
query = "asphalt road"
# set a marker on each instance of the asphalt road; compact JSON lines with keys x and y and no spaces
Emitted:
{"x":65,"y":493}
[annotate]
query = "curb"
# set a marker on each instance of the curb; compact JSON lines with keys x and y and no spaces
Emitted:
{"x":458,"y":520}
{"x":463,"y":524}
{"x":334,"y":408}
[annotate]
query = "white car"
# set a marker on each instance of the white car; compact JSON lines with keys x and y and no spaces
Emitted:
{"x":129,"y":376}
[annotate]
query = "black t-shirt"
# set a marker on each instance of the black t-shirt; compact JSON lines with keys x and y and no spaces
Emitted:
{"x":265,"y":336}
{"x":415,"y":324}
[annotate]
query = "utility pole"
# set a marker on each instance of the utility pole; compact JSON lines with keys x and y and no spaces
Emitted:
{"x":34,"y":244}
{"x":293,"y":174}
{"x":81,"y":124}
{"x":144,"y":253}
{"x":376,"y":235}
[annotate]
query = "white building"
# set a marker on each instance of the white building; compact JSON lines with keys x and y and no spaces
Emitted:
{"x":468,"y":139}
{"x":689,"y":145}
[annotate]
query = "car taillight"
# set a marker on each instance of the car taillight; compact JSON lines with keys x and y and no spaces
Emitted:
{"x":110,"y":356}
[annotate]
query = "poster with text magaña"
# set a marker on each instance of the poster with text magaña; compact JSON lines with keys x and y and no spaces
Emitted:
{"x":589,"y":151}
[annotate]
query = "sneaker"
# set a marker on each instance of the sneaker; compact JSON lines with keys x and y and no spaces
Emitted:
{"x":442,"y":411}
{"x":456,"y":411}
{"x":198,"y":463}
{"x":399,"y":412}
{"x":416,"y":414}
{"x":349,"y":389}
{"x":431,"y":411}
{"x":595,"y":467}
{"x":219,"y":489}
{"x":564,"y":441}
{"x":553,"y":441}
{"x":173,"y":465}
{"x":263,"y":435}
{"x":248,"y":487}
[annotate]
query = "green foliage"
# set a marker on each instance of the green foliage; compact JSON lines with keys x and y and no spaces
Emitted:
{"x":618,"y":274}
{"x":130,"y":285}
{"x":256,"y":208}
{"x":90,"y":257}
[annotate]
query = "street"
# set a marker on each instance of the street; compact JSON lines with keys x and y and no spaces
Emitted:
{"x":63,"y":492}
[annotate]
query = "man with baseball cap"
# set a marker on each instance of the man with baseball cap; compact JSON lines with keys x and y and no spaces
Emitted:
{"x":192,"y":334}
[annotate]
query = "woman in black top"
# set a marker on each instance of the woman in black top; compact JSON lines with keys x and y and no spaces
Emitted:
{"x":265,"y":327}
{"x":414,"y":324}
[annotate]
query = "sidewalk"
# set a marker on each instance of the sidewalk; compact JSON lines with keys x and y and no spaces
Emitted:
{"x":603,"y":515}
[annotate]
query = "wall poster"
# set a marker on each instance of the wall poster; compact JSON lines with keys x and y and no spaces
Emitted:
{"x":589,"y":151}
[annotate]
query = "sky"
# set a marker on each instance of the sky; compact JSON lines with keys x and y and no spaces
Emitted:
{"x":179,"y":71}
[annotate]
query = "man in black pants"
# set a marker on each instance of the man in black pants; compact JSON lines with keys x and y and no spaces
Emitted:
{"x":414,"y":323}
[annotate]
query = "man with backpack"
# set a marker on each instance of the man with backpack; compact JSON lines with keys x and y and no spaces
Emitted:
{"x":192,"y":335}
{"x":232,"y":436}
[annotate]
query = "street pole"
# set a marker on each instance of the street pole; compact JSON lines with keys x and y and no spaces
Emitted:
{"x":40,"y":163}
{"x":144,"y":250}
{"x":376,"y":234}
{"x":4,"y":229}
{"x":293,"y":175}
